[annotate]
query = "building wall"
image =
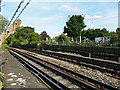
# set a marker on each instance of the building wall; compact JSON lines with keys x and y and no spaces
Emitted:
{"x":102,"y":39}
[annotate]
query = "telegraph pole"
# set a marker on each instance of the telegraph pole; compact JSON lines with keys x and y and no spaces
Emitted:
{"x":81,"y":31}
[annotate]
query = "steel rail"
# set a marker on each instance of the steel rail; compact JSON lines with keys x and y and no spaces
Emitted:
{"x":70,"y":78}
{"x":111,"y":71}
{"x":90,"y":61}
{"x":116,"y":67}
{"x":54,"y":84}
{"x":88,"y":79}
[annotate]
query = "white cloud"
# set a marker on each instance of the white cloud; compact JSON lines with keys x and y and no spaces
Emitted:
{"x":98,"y":12}
{"x":44,"y":8}
{"x":109,"y":21}
{"x":93,"y":17}
{"x":72,"y":9}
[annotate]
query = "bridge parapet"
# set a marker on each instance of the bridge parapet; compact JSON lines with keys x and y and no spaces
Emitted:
{"x":7,"y":33}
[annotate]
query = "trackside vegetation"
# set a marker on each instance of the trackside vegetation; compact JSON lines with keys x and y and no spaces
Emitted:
{"x":23,"y":35}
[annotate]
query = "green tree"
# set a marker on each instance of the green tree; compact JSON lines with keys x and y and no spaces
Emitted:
{"x":24,"y":32}
{"x":105,"y":32}
{"x":10,"y":39}
{"x":62,"y":39}
{"x":3,"y":23}
{"x":113,"y":37}
{"x":16,"y":42}
{"x":84,"y":33}
{"x":74,"y":26}
{"x":4,"y":45}
{"x":23,"y":35}
{"x":92,"y":33}
{"x":118,"y":32}
{"x":34,"y":38}
{"x":44,"y":35}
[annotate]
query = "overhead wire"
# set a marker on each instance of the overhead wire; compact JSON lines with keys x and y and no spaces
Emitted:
{"x":15,"y":13}
{"x":23,"y":9}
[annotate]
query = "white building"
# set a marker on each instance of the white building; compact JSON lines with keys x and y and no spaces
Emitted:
{"x":102,"y":39}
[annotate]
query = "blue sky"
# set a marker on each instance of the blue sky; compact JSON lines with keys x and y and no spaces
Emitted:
{"x":52,"y":16}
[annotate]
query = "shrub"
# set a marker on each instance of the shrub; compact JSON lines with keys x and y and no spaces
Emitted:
{"x":4,"y":46}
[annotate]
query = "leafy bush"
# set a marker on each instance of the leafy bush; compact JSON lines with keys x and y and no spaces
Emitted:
{"x":54,"y":43}
{"x":4,"y":46}
{"x":2,"y":75}
{"x":59,"y":48}
{"x":1,"y":83}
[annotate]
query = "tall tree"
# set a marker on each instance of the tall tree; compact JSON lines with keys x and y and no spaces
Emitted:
{"x":113,"y":37}
{"x":118,"y":32}
{"x":74,"y":26}
{"x":3,"y":23}
{"x":44,"y":35}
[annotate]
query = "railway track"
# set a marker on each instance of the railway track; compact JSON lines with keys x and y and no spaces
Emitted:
{"x":105,"y":56}
{"x":74,"y":77}
{"x":108,"y":67}
{"x":51,"y":82}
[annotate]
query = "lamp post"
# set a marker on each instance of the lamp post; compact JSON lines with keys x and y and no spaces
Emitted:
{"x":80,"y":39}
